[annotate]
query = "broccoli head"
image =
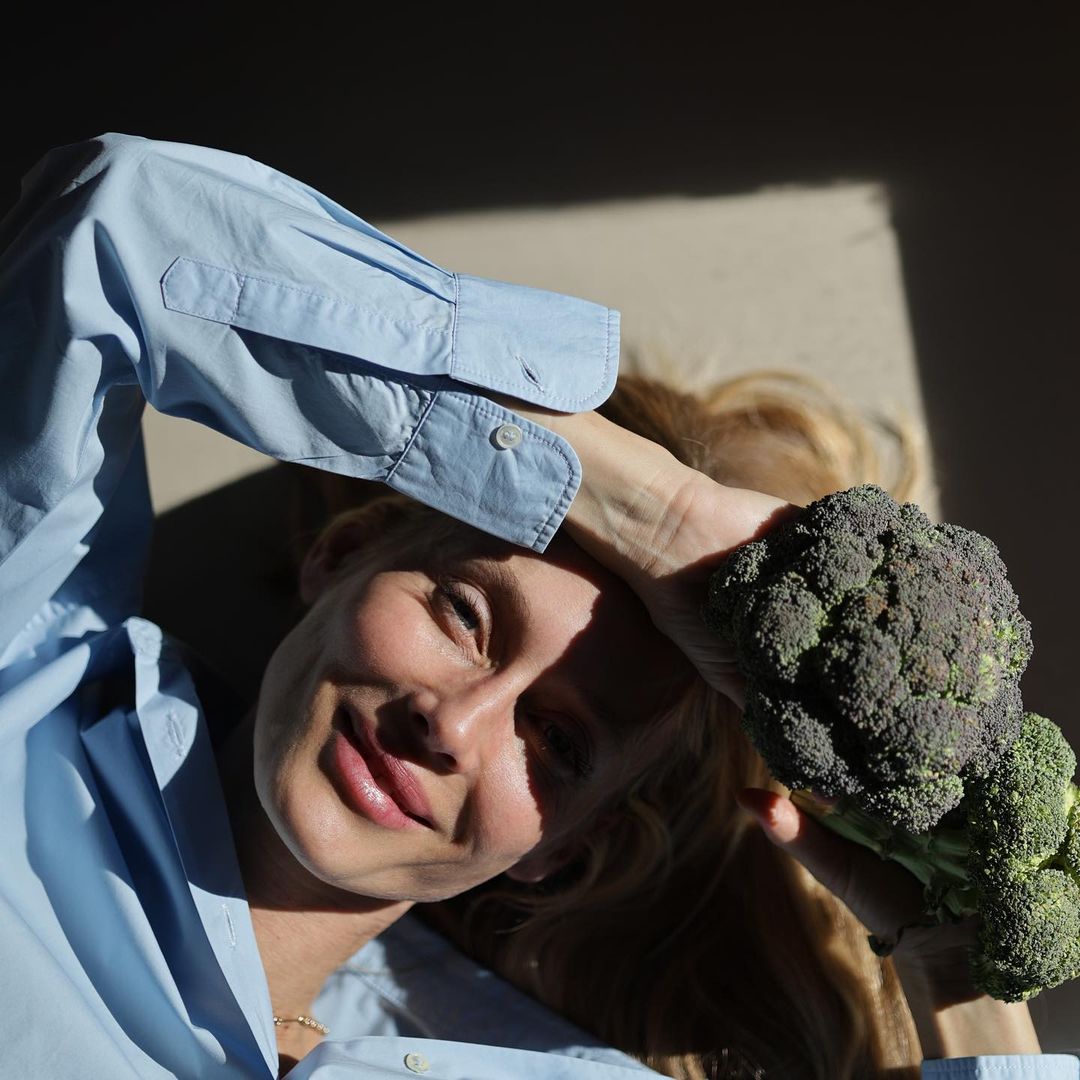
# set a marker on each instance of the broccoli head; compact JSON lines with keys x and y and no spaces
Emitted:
{"x":882,"y":653}
{"x":1023,"y":824}
{"x":1008,"y":853}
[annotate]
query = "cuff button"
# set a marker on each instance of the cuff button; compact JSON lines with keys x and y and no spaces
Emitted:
{"x":507,"y":436}
{"x":416,"y":1063}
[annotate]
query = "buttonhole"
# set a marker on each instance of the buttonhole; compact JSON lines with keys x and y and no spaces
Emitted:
{"x":529,"y":373}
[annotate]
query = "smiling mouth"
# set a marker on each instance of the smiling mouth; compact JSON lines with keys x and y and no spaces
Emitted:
{"x":383,"y":783}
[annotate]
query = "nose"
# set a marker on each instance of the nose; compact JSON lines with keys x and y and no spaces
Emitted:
{"x":460,"y":726}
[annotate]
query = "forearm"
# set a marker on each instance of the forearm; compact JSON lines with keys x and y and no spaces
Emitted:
{"x":981,"y":1025}
{"x":635,"y":497}
{"x":623,"y":477}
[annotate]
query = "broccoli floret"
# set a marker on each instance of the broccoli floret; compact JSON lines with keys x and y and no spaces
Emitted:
{"x":1008,"y":853}
{"x":882,"y":653}
{"x":1024,"y":832}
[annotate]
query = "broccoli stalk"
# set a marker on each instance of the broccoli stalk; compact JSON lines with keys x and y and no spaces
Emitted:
{"x":938,"y":859}
{"x":882,"y":655}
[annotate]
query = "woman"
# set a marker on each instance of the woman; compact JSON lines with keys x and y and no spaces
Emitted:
{"x":432,"y":722}
{"x":665,"y":901}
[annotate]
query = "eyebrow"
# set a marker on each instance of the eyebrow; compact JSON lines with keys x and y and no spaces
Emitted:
{"x":506,"y":582}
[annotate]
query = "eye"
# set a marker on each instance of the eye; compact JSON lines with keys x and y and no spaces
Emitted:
{"x":461,"y":611}
{"x":463,"y":608}
{"x":568,"y":745}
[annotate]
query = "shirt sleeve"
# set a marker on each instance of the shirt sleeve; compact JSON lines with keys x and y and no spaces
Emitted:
{"x":1004,"y":1067}
{"x":221,"y":290}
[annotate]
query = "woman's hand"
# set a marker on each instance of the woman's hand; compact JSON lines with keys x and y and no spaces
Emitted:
{"x":953,"y":1018}
{"x":661,"y":526}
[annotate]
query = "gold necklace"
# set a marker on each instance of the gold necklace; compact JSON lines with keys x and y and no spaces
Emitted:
{"x":307,"y":1021}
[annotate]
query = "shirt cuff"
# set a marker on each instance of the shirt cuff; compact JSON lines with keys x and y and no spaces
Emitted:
{"x":481,"y":463}
{"x":1004,"y":1067}
{"x":545,"y":348}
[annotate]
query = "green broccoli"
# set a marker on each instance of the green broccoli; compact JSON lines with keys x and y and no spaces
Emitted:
{"x":882,"y":653}
{"x":1010,"y":853}
{"x":1023,"y":821}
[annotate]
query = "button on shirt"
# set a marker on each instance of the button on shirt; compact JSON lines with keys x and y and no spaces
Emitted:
{"x":223,"y":291}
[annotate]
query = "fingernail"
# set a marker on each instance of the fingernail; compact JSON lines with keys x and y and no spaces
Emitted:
{"x":778,"y":819}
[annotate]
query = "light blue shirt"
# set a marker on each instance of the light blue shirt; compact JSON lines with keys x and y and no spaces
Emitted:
{"x":223,"y":291}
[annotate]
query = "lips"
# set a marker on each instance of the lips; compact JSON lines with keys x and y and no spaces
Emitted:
{"x":390,"y":775}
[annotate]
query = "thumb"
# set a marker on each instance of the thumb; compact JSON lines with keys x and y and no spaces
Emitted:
{"x":881,"y":895}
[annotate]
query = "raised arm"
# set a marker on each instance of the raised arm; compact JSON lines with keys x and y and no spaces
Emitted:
{"x":221,"y":290}
{"x":661,"y":526}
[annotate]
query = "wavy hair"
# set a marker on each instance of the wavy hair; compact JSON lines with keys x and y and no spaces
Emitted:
{"x":682,"y":935}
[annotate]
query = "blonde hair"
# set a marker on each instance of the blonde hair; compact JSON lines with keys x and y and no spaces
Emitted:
{"x":682,"y":936}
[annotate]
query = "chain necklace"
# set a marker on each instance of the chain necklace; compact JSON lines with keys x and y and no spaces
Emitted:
{"x":307,"y":1021}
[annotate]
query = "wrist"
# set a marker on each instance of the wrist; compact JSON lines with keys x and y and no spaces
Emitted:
{"x":628,"y":486}
{"x":966,"y":1028}
{"x":634,"y":493}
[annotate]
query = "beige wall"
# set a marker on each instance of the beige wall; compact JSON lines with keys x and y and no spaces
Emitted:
{"x":798,"y":278}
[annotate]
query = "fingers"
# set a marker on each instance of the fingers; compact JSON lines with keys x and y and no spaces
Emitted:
{"x":881,"y":895}
{"x":731,"y":685}
{"x":713,"y":660}
{"x":888,"y":900}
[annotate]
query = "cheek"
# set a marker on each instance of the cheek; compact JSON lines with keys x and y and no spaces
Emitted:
{"x":297,"y":798}
{"x":338,"y":849}
{"x":285,"y":708}
{"x":510,"y":809}
{"x":296,"y":703}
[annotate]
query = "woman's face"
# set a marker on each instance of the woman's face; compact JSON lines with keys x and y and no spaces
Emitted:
{"x":428,"y":725}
